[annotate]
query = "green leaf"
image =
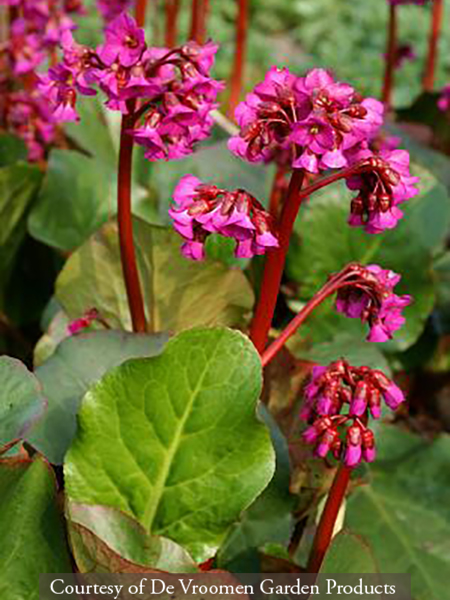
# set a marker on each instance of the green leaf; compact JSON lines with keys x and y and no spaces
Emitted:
{"x":18,"y":187}
{"x":404,"y":513}
{"x":103,"y":539}
{"x":178,"y":293}
{"x":269,"y":519}
{"x":21,"y":400}
{"x":327,"y":244}
{"x":77,"y":197}
{"x":79,"y":362}
{"x":349,"y":554}
{"x":30,"y":529}
{"x":174,"y":440}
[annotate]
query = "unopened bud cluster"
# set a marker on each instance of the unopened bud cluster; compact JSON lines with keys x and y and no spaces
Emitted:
{"x":340,"y":399}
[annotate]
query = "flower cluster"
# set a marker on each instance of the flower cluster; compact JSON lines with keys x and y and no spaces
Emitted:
{"x":383,"y":181}
{"x":35,"y":31}
{"x":171,"y":91}
{"x":201,"y":209}
{"x":110,"y":9}
{"x":313,"y":118}
{"x":444,"y":99}
{"x":315,"y":123}
{"x":359,"y":392}
{"x":368,"y":295}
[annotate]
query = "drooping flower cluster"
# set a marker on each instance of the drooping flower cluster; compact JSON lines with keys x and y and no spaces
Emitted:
{"x":171,"y":91}
{"x":444,"y":99}
{"x":383,"y":181}
{"x":368,"y":295}
{"x":35,"y":31}
{"x":201,"y":209}
{"x":355,"y":391}
{"x":110,"y":9}
{"x":315,"y":123}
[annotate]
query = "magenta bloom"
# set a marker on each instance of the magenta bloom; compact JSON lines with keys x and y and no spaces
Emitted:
{"x":312,"y":121}
{"x":369,"y":296}
{"x":124,"y":43}
{"x":202,"y":209}
{"x":339,"y":401}
{"x":444,"y":99}
{"x":83,"y":322}
{"x":173,"y":88}
{"x":383,"y":182}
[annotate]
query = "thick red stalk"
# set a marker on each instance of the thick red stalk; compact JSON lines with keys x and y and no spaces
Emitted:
{"x":391,"y":51}
{"x":276,"y":193}
{"x":198,"y":20}
{"x":172,"y":9}
{"x":273,"y":270}
{"x":125,"y":223}
{"x":435,"y":32}
{"x":141,"y":9}
{"x":239,"y":56}
{"x":324,"y":533}
{"x":328,"y":289}
{"x":274,"y":266}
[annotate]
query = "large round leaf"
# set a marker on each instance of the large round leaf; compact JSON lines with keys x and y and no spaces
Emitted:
{"x":326,"y":244}
{"x":78,"y":362}
{"x":21,"y":400}
{"x":30,"y":529}
{"x":76,"y":197}
{"x":178,"y":293}
{"x":174,"y":440}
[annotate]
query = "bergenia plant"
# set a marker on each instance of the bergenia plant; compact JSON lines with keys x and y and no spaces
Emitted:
{"x":184,"y":361}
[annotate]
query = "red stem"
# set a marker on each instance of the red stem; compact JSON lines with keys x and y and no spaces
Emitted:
{"x":435,"y":32}
{"x":125,"y":223}
{"x":141,"y":9}
{"x":172,"y":8}
{"x":239,"y":56}
{"x":327,"y":522}
{"x":198,"y":20}
{"x":390,"y":56}
{"x":276,"y":193}
{"x":327,"y":290}
{"x":273,"y":270}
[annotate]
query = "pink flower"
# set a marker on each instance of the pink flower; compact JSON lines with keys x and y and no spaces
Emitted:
{"x":383,"y":183}
{"x":369,"y":296}
{"x":173,"y":88}
{"x":83,"y":322}
{"x":444,"y":99}
{"x":340,"y":399}
{"x":202,"y":209}
{"x":124,"y":43}
{"x":310,"y":121}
